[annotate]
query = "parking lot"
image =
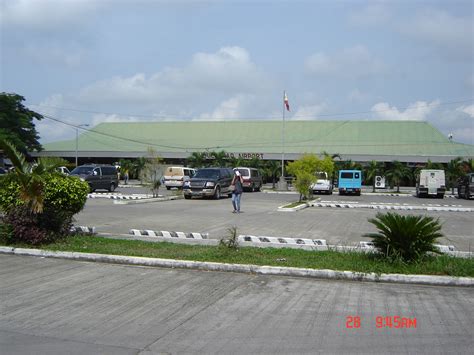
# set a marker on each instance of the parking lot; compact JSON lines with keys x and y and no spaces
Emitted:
{"x":339,"y":222}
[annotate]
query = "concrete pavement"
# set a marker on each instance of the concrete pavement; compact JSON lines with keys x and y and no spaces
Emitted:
{"x":54,"y":306}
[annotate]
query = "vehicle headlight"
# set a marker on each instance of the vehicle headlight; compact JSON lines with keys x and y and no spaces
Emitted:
{"x":82,"y":179}
{"x":210,"y":184}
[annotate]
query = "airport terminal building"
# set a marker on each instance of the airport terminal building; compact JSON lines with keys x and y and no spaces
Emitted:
{"x":359,"y":141}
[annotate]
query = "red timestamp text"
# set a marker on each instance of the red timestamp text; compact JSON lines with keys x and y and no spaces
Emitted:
{"x":397,"y":322}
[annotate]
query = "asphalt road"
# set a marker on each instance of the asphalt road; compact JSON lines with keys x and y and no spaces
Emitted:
{"x":53,"y":306}
{"x":260,"y":217}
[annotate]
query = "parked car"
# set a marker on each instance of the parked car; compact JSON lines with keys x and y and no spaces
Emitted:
{"x":176,"y":176}
{"x":466,"y":186}
{"x":64,"y":170}
{"x":431,"y":182}
{"x":322,"y":184}
{"x":209,"y":182}
{"x":3,"y":171}
{"x":350,"y":181}
{"x":252,"y":179}
{"x":98,"y":176}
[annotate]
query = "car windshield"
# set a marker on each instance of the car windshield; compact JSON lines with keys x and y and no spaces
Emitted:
{"x":82,"y":170}
{"x":243,"y":172}
{"x":207,"y":174}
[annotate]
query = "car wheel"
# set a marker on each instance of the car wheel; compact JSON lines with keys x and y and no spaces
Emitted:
{"x":187,"y":197}
{"x":112,"y":187}
{"x":168,"y":188}
{"x":217,"y":194}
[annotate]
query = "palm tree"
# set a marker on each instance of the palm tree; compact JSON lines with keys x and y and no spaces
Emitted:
{"x":431,"y":165}
{"x":30,"y":177}
{"x":220,"y":158}
{"x":127,"y":165}
{"x":372,"y":170}
{"x":468,"y":165}
{"x":139,"y":165}
{"x":454,"y":171}
{"x":197,"y":160}
{"x":272,"y":169}
{"x":397,"y":172}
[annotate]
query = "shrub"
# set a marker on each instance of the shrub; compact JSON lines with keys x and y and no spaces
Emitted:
{"x":63,"y":198}
{"x":406,"y":237}
{"x":231,"y":242}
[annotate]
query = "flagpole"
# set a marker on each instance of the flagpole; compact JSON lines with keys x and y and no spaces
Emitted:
{"x":283,"y":139}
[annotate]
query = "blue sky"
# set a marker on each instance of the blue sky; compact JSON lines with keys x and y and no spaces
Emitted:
{"x":93,"y":61}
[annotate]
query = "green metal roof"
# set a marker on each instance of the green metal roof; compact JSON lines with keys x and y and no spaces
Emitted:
{"x":351,"y":138}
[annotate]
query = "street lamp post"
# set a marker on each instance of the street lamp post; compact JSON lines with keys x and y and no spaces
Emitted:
{"x":77,"y":137}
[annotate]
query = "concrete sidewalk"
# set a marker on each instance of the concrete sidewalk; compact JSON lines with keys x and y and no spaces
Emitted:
{"x":251,"y":269}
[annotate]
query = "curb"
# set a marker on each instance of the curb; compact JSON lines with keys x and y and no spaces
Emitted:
{"x":147,"y":200}
{"x":393,"y":207}
{"x":242,"y":268}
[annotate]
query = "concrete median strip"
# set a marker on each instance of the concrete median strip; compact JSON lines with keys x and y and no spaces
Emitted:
{"x":166,"y":234}
{"x":393,"y":207}
{"x":254,"y":269}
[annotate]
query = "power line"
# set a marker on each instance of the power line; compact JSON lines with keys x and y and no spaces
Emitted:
{"x":271,"y":116}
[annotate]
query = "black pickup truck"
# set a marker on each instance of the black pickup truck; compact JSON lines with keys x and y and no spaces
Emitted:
{"x":209,"y":182}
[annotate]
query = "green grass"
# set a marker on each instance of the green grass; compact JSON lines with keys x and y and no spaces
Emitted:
{"x":294,"y":204}
{"x":347,"y":261}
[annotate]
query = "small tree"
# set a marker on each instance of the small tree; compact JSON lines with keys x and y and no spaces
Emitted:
{"x":152,"y":171}
{"x":304,"y":170}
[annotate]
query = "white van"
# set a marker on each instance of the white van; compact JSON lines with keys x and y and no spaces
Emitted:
{"x":431,"y":182}
{"x":252,"y":180}
{"x":175,"y":176}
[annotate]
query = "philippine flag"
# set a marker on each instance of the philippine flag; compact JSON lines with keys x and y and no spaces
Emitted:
{"x":285,"y":100}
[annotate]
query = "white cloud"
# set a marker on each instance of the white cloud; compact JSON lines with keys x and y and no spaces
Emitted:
{"x":352,"y":63}
{"x":376,"y":13}
{"x":229,"y":71}
{"x":309,"y":112}
{"x":46,"y":14}
{"x":417,"y":111}
{"x":453,"y":34}
{"x":49,"y":129}
{"x":467,"y":109}
{"x":229,"y":109}
{"x":104,"y":117}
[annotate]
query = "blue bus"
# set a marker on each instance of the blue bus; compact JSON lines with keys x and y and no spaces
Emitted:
{"x":350,"y":181}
